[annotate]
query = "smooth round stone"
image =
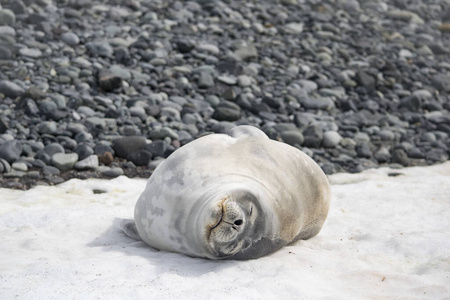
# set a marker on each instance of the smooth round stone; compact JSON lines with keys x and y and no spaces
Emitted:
{"x":5,"y":53}
{"x":89,"y":163}
{"x":83,"y":151}
{"x":81,"y":137}
{"x":64,"y":161}
{"x":331,"y":139}
{"x":363,"y":150}
{"x":112,"y":172}
{"x":52,"y":149}
{"x":313,"y":136}
{"x":399,"y":156}
{"x":5,"y":167}
{"x":213,"y":49}
{"x":30,"y":52}
{"x":292,"y":137}
{"x":428,"y":137}
{"x":11,"y":89}
{"x":100,"y":49}
{"x":10,"y":150}
{"x":7,"y":17}
{"x":205,"y":80}
{"x":140,"y":158}
{"x":124,"y":146}
{"x":70,"y":38}
{"x":230,"y":80}
{"x":86,"y":111}
{"x":244,"y":81}
{"x":323,"y":103}
{"x":20,"y":166}
{"x":47,"y":127}
{"x":386,"y":135}
{"x":47,"y":106}
{"x":157,"y":148}
{"x":162,"y":133}
{"x":382,"y":155}
{"x":14,"y":174}
{"x":50,"y":170}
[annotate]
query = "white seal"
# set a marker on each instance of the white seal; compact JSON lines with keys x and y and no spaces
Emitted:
{"x":239,"y":197}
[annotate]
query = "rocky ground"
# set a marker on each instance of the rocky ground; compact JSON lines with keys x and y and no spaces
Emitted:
{"x":100,"y":88}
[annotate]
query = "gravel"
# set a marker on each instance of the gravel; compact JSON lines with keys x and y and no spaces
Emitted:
{"x":105,"y":88}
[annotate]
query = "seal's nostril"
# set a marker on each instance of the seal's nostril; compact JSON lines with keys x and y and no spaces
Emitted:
{"x":238,"y":222}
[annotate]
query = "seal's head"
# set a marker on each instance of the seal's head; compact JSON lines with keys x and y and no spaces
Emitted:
{"x":233,"y":223}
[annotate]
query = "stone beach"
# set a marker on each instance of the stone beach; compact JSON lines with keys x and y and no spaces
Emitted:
{"x":92,"y":89}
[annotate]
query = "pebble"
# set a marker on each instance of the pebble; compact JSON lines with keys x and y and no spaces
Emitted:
{"x":64,"y":161}
{"x":89,"y":163}
{"x":125,"y":146}
{"x":331,"y":139}
{"x":293,"y":137}
{"x":10,"y":151}
{"x":313,"y":136}
{"x":100,"y":48}
{"x":70,"y":38}
{"x":11,"y":89}
{"x":112,"y":172}
{"x":7,"y":17}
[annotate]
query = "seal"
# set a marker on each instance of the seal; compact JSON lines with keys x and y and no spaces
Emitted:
{"x":237,"y":196}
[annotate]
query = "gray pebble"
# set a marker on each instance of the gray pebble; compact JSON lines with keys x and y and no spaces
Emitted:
{"x":124,"y":146}
{"x":382,"y":155}
{"x":293,"y":137}
{"x":112,"y":172}
{"x":10,"y":151}
{"x":7,"y":17}
{"x":64,"y":161}
{"x":11,"y":89}
{"x":70,"y":38}
{"x":88,"y":163}
{"x":20,"y":166}
{"x":331,"y":139}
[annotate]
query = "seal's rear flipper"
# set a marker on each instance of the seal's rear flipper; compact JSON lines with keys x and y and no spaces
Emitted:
{"x":129,"y":227}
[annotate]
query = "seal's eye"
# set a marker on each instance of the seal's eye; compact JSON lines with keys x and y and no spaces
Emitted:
{"x":238,"y":222}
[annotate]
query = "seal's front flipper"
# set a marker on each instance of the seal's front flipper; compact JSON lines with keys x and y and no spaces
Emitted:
{"x":245,"y":131}
{"x":129,"y":227}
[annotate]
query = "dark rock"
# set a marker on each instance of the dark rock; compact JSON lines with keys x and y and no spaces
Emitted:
{"x":106,"y":158}
{"x":35,"y":93}
{"x":3,"y":125}
{"x":441,"y":82}
{"x":185,"y":46}
{"x":436,"y":155}
{"x":83,"y":151}
{"x":10,"y":151}
{"x":363,"y":150}
{"x":124,"y":146}
{"x":399,"y":156}
{"x":227,"y":111}
{"x":108,"y":81}
{"x":313,"y":136}
{"x":367,"y":81}
{"x":11,"y":89}
{"x":50,"y":170}
{"x":141,"y":157}
{"x":158,"y":148}
{"x":101,"y":149}
{"x":292,"y":137}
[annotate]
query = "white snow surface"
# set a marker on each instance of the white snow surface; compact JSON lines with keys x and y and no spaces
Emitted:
{"x":385,"y":238}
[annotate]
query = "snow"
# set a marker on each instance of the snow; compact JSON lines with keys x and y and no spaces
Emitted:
{"x":385,"y":237}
